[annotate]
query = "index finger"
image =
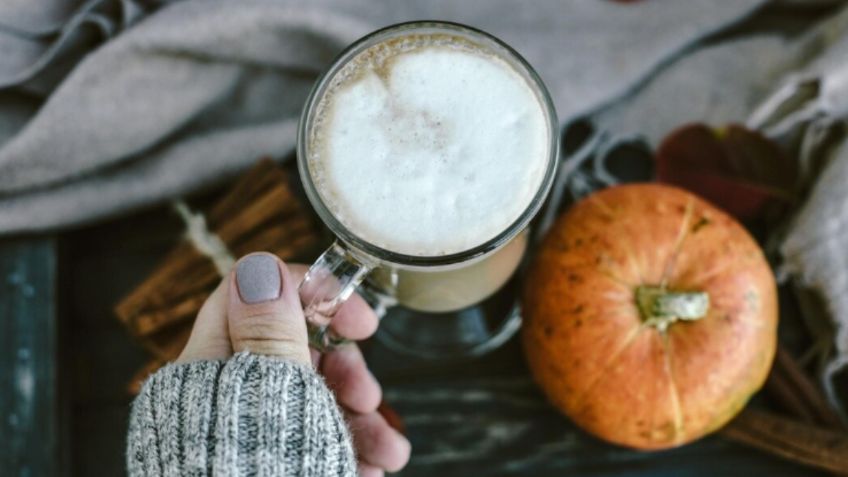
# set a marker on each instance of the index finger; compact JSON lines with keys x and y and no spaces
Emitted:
{"x":355,"y":320}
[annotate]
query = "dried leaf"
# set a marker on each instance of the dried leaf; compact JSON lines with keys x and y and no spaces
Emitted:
{"x":739,"y":170}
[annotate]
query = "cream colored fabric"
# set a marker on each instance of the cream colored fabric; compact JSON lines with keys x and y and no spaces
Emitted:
{"x":188,"y":93}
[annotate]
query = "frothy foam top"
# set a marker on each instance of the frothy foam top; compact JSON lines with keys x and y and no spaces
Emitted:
{"x":428,"y":145}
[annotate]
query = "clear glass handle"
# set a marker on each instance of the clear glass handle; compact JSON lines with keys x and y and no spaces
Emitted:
{"x":327,"y":285}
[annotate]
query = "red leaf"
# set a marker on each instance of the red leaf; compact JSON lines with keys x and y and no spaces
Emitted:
{"x":739,"y":170}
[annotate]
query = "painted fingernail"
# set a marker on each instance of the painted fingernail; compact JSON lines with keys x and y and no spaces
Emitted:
{"x":258,"y":279}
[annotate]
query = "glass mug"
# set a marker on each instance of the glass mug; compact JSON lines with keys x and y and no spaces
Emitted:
{"x":429,"y":284}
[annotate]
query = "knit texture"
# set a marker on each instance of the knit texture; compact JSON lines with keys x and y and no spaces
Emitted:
{"x":249,"y":415}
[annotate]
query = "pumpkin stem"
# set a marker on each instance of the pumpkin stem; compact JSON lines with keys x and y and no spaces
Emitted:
{"x":660,"y":307}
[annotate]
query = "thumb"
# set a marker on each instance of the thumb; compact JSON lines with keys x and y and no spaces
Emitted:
{"x":265,"y":315}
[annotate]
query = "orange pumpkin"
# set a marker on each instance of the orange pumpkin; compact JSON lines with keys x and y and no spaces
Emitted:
{"x":651,"y":316}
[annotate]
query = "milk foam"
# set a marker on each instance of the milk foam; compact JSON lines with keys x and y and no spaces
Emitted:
{"x":428,"y":147}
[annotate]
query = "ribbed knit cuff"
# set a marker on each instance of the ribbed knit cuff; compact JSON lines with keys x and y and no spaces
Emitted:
{"x":249,"y":415}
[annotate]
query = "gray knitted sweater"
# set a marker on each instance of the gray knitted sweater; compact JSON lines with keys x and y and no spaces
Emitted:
{"x":249,"y":415}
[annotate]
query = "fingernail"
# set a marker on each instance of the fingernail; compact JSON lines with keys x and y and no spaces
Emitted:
{"x":258,"y":279}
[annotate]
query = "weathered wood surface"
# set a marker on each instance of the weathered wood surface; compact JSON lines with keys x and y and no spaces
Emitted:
{"x":98,"y":266}
{"x":483,"y":417}
{"x":488,"y":418}
{"x":30,"y":426}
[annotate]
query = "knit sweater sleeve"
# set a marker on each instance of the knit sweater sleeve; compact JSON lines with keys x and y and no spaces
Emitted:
{"x":249,"y":415}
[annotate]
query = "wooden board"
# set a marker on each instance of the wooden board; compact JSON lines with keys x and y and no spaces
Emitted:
{"x":476,"y":417}
{"x":487,"y":418}
{"x":30,"y":427}
{"x":98,"y":266}
{"x":480,"y":417}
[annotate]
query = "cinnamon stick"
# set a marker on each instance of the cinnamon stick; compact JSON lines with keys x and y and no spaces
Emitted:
{"x":154,"y":321}
{"x":259,"y":212}
{"x":274,"y":215}
{"x":184,"y":299}
{"x":202,"y":278}
{"x":274,"y":236}
{"x":275,"y":204}
{"x":269,"y":210}
{"x":255,"y":182}
{"x":790,"y":439}
{"x":178,"y":262}
{"x":797,"y":394}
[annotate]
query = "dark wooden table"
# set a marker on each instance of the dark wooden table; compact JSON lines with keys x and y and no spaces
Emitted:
{"x":65,"y":362}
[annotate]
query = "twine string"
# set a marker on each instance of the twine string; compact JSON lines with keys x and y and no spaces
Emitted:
{"x":204,"y":240}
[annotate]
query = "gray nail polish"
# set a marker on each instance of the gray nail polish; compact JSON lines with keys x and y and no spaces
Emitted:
{"x":258,"y":279}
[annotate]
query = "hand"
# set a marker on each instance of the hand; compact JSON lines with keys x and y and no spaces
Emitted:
{"x":257,"y":308}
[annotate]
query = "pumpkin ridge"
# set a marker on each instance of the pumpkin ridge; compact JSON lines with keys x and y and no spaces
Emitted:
{"x":592,"y":268}
{"x":606,"y":209}
{"x":637,"y":330}
{"x":615,"y":279}
{"x":679,"y":430}
{"x":633,"y":262}
{"x":714,"y":272}
{"x":678,"y":242}
{"x":631,"y":255}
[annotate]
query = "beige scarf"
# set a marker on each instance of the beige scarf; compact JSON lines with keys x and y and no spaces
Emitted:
{"x":809,"y":114}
